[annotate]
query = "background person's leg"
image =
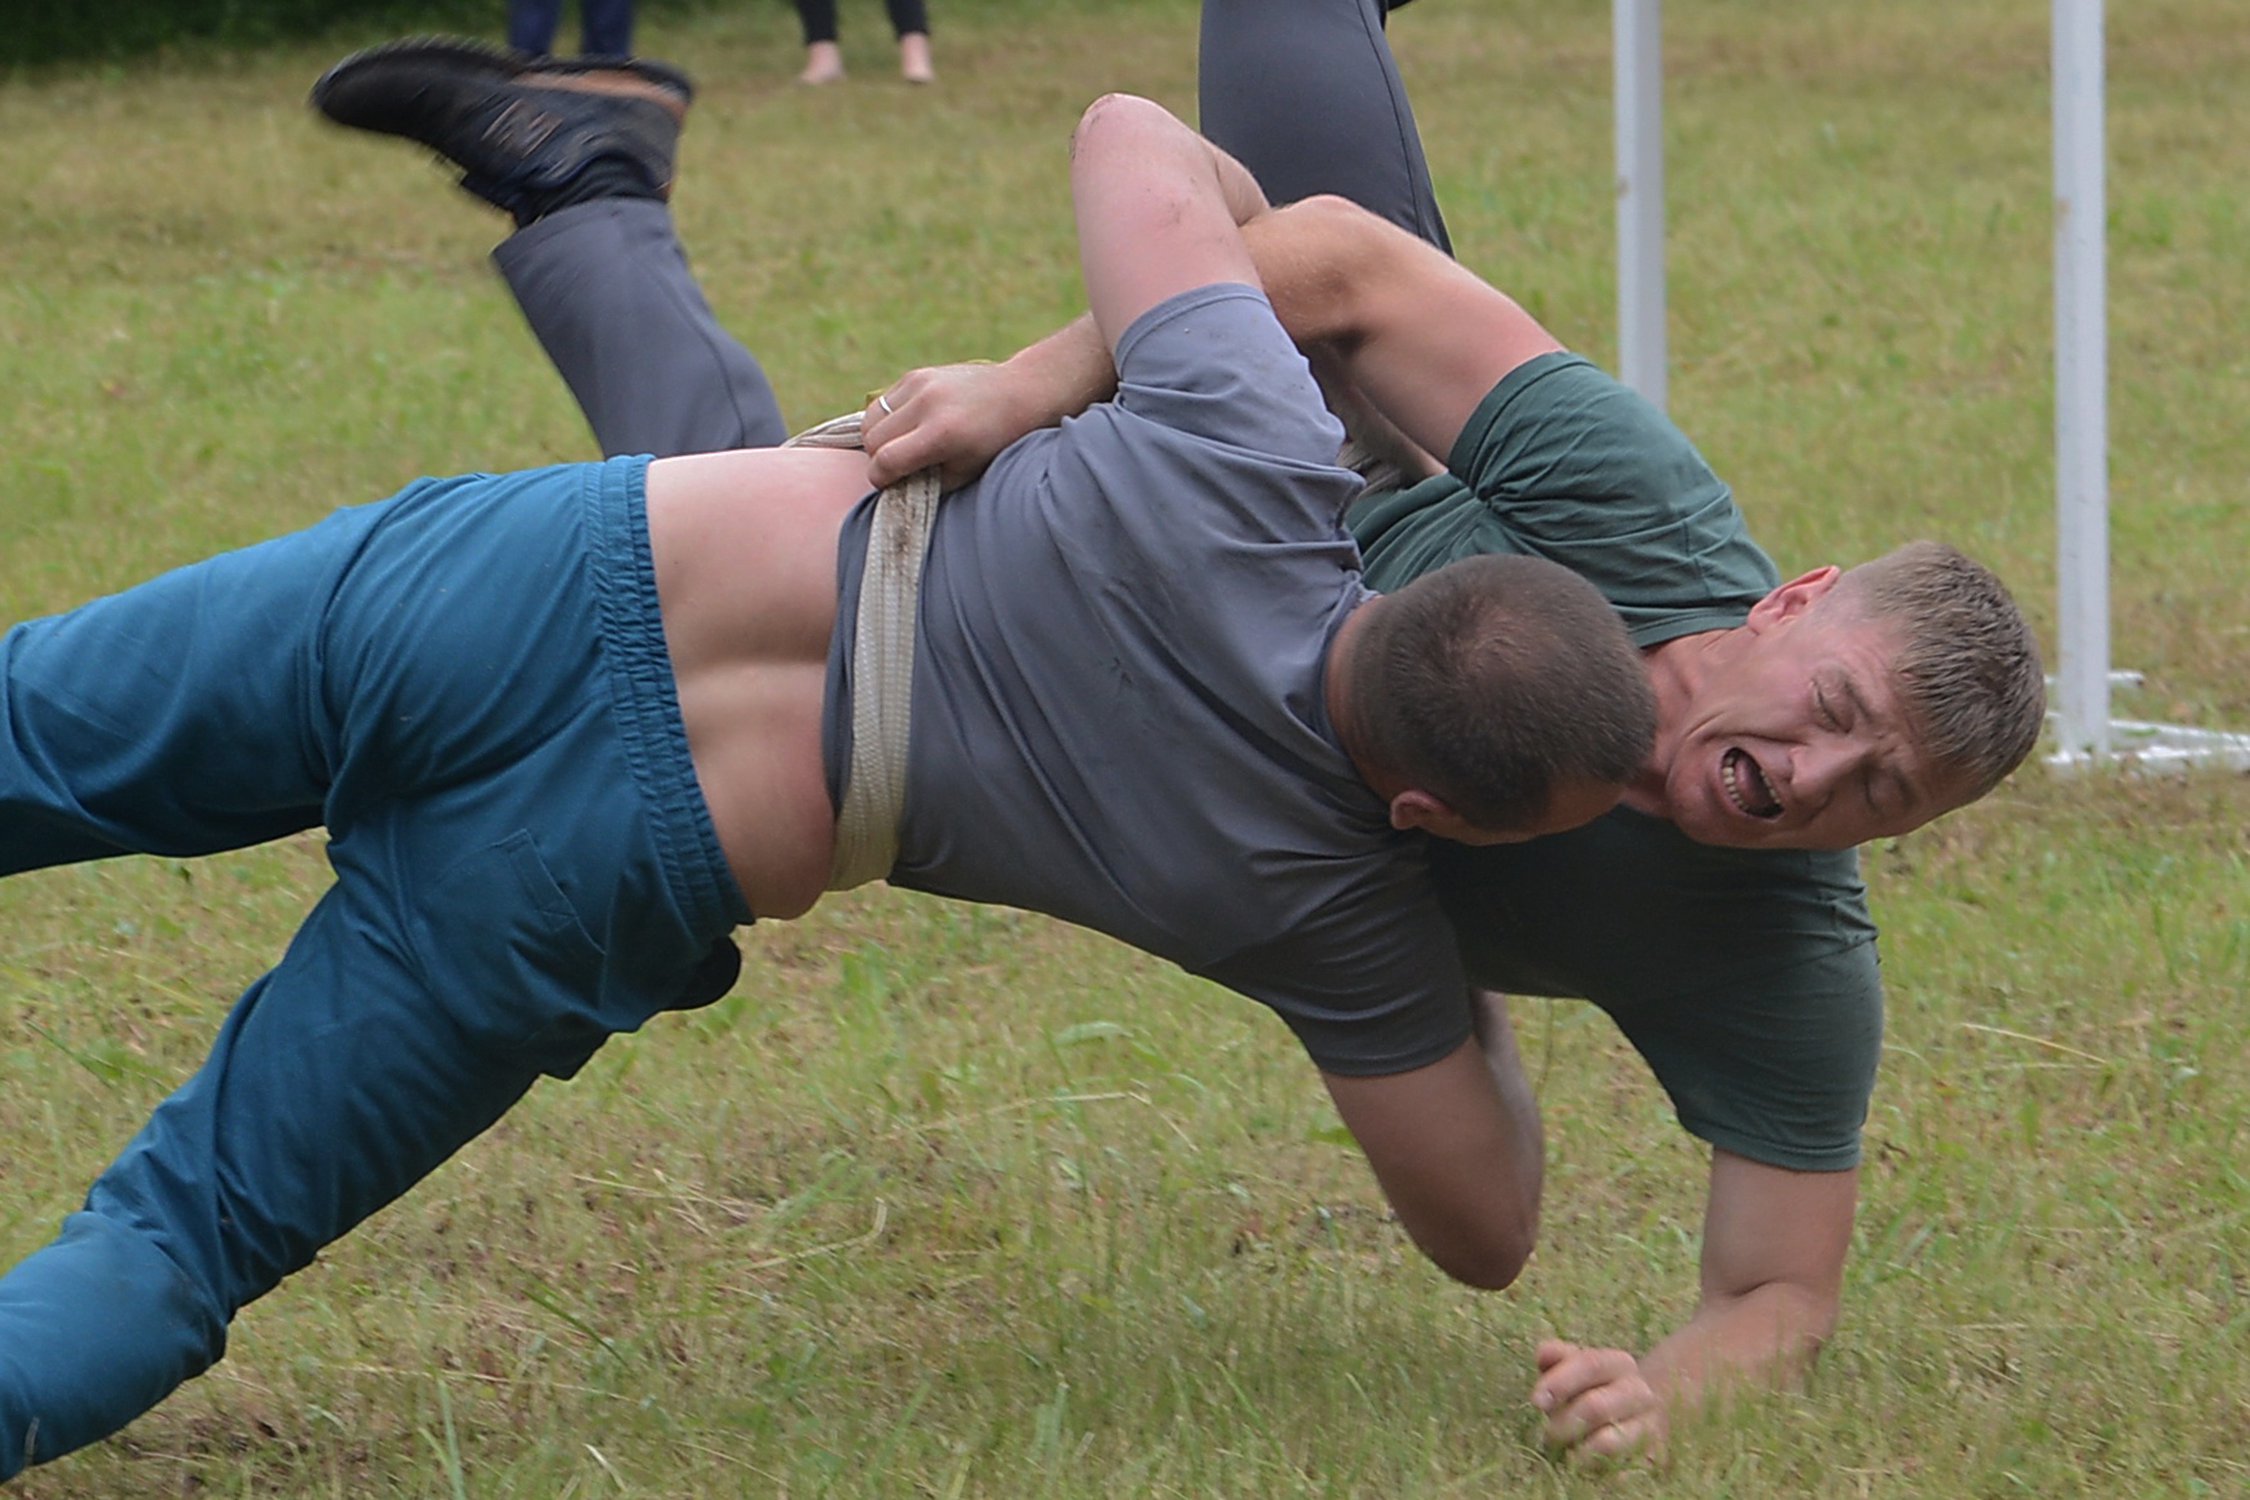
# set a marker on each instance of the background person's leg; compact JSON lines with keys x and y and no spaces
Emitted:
{"x":1305,"y":94}
{"x":607,"y":289}
{"x":818,"y":20}
{"x":532,"y":24}
{"x":824,"y":59}
{"x":606,"y":28}
{"x":910,"y":23}
{"x":908,"y":17}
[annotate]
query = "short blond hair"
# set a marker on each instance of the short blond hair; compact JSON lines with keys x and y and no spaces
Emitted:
{"x":1967,"y":664}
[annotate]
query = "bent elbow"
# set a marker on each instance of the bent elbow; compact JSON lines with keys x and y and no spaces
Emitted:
{"x":1493,"y":1263}
{"x":1491,"y":1273}
{"x":1113,"y":112}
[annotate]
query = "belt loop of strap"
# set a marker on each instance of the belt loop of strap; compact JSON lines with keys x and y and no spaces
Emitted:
{"x":890,"y":592}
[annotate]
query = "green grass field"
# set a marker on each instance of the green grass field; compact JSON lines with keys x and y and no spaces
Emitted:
{"x":957,"y":1202}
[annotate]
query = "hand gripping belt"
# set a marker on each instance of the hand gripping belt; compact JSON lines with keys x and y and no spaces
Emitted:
{"x":890,"y":591}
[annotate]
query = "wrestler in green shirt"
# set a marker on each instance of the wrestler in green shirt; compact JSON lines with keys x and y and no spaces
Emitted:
{"x":1747,"y":978}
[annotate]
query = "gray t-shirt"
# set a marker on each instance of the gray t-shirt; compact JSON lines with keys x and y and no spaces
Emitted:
{"x":1118,"y":713}
{"x":1747,"y":978}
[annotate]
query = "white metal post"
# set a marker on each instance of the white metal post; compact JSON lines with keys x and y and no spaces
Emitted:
{"x":1638,"y":52}
{"x":2081,"y":383}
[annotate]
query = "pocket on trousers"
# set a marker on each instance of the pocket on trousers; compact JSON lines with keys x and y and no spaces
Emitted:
{"x":527,"y":975}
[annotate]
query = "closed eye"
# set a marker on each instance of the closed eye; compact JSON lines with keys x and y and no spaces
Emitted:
{"x":1824,"y":709}
{"x":1853,"y":702}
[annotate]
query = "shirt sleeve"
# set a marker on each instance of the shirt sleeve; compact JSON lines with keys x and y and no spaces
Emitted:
{"x":1561,"y":461}
{"x":1371,"y":984}
{"x":1218,"y":416}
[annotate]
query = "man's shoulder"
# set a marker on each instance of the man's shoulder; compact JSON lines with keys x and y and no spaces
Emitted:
{"x":1561,"y":461}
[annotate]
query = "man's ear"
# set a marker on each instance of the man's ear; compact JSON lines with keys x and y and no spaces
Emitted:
{"x":1793,"y":598}
{"x":1415,"y":808}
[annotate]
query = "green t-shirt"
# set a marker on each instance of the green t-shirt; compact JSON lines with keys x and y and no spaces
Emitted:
{"x":1748,"y":979}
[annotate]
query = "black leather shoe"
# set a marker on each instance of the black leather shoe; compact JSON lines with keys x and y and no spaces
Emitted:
{"x":520,"y":128}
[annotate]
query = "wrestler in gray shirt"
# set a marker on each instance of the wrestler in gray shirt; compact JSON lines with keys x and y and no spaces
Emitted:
{"x":1136,"y":718}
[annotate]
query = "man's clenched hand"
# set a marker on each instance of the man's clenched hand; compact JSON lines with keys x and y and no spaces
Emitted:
{"x":1597,"y":1403}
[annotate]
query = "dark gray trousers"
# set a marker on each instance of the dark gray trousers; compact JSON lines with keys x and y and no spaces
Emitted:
{"x":1303,"y":92}
{"x":607,"y":289}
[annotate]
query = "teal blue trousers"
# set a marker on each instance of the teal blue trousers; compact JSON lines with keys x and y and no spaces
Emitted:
{"x":467,"y":685}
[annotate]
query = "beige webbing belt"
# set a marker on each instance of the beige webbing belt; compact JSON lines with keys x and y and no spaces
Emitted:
{"x":890,"y":589}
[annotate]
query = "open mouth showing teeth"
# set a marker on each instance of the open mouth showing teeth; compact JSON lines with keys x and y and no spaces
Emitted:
{"x":1747,"y":786}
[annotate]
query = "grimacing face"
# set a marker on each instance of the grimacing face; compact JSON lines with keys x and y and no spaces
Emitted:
{"x":1796,"y":735}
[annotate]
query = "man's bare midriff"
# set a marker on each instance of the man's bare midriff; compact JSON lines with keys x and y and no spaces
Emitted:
{"x":745,"y":551}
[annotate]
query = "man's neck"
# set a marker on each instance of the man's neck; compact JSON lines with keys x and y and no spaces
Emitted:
{"x":1675,"y":671}
{"x":1344,"y":707}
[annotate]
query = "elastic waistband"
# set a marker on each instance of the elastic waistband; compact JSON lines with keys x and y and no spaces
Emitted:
{"x":647,"y":697}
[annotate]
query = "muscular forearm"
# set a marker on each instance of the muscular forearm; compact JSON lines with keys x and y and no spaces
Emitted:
{"x":1774,"y":1242}
{"x":959,"y":418}
{"x":1063,"y":374}
{"x":1456,"y":1146}
{"x":1070,"y":369}
{"x":1774,"y":1246}
{"x":1527,"y":1138}
{"x":1245,"y":200}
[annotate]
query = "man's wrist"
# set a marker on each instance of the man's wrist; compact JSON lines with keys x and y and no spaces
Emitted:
{"x":1060,"y":376}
